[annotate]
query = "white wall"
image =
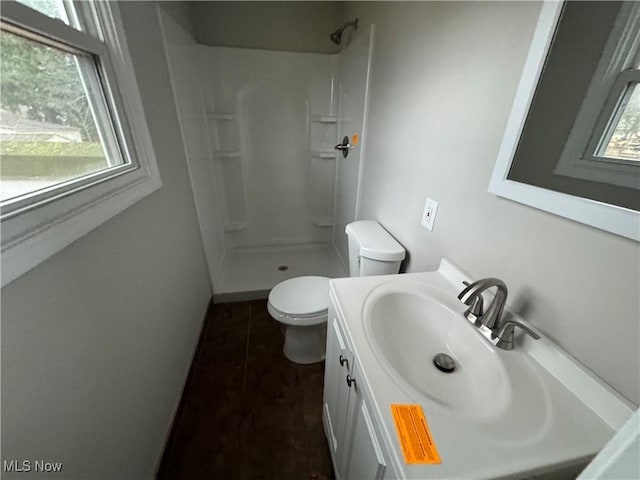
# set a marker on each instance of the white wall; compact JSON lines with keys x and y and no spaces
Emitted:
{"x":293,"y":26}
{"x":97,"y":340}
{"x":444,"y":76}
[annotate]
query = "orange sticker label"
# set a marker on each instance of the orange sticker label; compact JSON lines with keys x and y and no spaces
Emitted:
{"x":413,"y":434}
{"x":354,"y":139}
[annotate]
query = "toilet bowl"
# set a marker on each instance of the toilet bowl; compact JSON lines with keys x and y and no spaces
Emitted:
{"x":301,"y":304}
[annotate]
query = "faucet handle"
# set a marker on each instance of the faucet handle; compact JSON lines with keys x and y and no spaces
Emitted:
{"x":504,"y":334}
{"x":476,"y":306}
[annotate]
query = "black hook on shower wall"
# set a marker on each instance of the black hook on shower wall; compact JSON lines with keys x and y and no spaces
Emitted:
{"x":336,"y":37}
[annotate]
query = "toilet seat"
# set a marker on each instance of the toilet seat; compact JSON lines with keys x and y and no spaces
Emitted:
{"x":300,"y":301}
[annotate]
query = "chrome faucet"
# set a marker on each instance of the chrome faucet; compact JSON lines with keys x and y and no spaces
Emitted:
{"x":490,"y":323}
{"x":473,"y":292}
{"x":476,"y":308}
{"x":503,"y":337}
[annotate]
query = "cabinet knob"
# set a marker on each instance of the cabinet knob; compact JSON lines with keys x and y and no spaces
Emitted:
{"x":350,"y":381}
{"x":343,"y":361}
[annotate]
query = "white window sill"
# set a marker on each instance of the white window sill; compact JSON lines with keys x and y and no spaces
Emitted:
{"x":26,"y":242}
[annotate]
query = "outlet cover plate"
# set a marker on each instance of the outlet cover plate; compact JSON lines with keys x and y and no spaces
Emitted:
{"x":429,"y":214}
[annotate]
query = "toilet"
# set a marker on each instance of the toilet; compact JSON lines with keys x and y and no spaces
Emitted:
{"x":301,"y":304}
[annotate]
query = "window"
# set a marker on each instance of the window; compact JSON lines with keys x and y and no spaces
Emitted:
{"x":51,"y":8}
{"x":620,"y":139}
{"x":74,"y":145}
{"x":604,"y":144}
{"x":55,"y":123}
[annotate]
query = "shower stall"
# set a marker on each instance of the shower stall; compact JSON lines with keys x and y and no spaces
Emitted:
{"x":259,"y":129}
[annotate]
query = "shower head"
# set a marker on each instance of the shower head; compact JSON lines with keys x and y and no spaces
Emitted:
{"x":336,"y":37}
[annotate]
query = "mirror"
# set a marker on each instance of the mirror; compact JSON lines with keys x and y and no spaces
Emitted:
{"x":559,"y":148}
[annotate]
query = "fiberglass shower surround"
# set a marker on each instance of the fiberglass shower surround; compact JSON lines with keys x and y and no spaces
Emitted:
{"x":273,"y":128}
{"x":259,"y":129}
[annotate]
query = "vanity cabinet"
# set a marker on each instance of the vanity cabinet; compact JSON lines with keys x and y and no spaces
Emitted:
{"x":357,"y":451}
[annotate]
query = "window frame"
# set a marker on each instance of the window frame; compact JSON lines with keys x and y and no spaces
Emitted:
{"x":40,"y":224}
{"x":31,"y":200}
{"x":616,"y":70}
{"x":613,"y":109}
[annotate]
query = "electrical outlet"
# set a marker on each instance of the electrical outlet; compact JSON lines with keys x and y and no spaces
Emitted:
{"x":429,"y":214}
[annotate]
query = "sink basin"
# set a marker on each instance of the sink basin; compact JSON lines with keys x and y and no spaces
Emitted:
{"x":410,"y":327}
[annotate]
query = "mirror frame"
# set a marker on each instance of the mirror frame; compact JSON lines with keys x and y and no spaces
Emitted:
{"x":611,"y":218}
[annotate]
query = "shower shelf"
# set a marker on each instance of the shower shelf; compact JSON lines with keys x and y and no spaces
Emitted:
{"x":224,"y":154}
{"x":322,"y":221}
{"x":324,"y":118}
{"x":324,"y":154}
{"x":192,"y":116}
{"x":235,"y":226}
{"x":221,"y":116}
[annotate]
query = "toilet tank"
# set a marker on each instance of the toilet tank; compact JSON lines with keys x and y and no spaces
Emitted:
{"x":372,"y":250}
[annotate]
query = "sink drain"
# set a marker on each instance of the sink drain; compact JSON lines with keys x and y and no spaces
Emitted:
{"x":283,"y":268}
{"x":444,"y":363}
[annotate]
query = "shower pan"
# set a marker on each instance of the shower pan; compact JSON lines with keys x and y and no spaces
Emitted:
{"x":260,"y":127}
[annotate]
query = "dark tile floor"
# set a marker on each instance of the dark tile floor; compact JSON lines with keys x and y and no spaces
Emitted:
{"x":247,"y":412}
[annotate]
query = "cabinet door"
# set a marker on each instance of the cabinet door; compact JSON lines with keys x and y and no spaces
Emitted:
{"x":366,"y":458}
{"x":336,"y":392}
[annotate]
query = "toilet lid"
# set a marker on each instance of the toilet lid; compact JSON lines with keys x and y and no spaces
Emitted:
{"x":301,"y":296}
